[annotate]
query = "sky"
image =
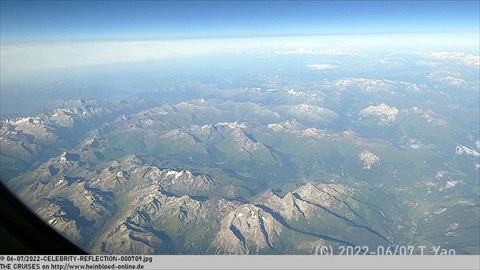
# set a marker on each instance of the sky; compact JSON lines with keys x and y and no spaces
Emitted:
{"x":48,"y":35}
{"x":72,"y":20}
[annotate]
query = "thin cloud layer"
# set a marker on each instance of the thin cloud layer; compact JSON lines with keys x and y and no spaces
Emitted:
{"x":321,"y":66}
{"x":325,"y":51}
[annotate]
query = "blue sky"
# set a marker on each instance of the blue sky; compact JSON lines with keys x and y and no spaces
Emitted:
{"x":42,"y":20}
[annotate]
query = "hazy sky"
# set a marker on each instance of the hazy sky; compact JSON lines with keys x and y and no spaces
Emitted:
{"x":44,"y":35}
{"x":60,"y":20}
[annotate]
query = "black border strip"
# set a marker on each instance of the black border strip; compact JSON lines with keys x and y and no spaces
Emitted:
{"x":20,"y":223}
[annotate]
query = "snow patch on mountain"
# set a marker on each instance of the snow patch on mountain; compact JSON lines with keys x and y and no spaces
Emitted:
{"x":368,"y":159}
{"x":385,"y":113}
{"x":463,"y":150}
{"x":461,"y":57}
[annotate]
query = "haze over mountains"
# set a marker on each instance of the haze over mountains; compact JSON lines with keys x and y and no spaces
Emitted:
{"x":372,"y":150}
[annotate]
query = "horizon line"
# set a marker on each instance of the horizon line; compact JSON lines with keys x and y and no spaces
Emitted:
{"x":200,"y":37}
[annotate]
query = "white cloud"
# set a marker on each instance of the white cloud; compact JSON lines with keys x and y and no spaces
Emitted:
{"x":320,"y":51}
{"x":61,"y":54}
{"x":321,"y":66}
{"x":18,"y":57}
